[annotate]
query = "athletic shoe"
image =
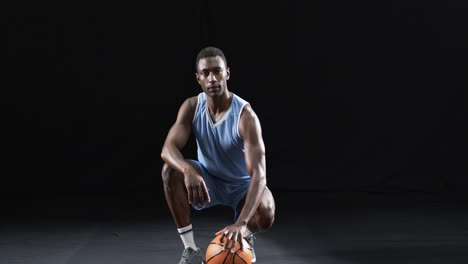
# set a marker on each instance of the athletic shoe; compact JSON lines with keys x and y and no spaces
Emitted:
{"x":250,"y":240}
{"x":190,"y":256}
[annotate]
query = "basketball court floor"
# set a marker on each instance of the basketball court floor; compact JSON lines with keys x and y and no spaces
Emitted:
{"x":321,"y":228}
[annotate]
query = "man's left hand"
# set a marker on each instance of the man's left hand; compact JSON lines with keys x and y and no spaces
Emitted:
{"x":233,"y":233}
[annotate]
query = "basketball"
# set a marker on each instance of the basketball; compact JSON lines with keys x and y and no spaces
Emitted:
{"x":216,"y":255}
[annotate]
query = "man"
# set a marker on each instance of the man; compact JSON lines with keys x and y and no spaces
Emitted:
{"x":231,"y":160}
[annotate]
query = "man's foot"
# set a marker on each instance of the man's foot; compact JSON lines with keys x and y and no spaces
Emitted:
{"x":192,"y":256}
{"x":250,"y":240}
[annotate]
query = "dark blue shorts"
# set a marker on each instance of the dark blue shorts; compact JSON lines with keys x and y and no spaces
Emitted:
{"x":222,"y":192}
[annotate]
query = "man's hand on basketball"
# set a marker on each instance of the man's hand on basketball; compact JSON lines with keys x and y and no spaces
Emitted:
{"x":196,"y":188}
{"x":233,"y":233}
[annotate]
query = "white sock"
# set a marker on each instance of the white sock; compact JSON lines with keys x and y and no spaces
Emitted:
{"x":186,"y":234}
{"x":246,"y":232}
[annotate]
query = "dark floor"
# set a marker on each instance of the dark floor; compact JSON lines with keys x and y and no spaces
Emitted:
{"x":317,"y":228}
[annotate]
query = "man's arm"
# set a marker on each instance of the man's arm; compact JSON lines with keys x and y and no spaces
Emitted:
{"x":176,"y":139}
{"x":250,"y":130}
{"x":178,"y":136}
{"x":254,"y":149}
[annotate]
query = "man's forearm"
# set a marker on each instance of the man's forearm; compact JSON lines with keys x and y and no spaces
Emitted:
{"x":253,"y":199}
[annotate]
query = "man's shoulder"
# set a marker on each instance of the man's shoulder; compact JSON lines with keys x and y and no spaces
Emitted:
{"x":247,"y":116}
{"x":190,"y":103}
{"x":247,"y":111}
{"x":248,"y":122}
{"x":193,"y":101}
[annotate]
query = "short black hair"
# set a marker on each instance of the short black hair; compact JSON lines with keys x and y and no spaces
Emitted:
{"x":210,"y":52}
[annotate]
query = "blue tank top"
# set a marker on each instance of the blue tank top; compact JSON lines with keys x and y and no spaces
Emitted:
{"x":220,"y":147}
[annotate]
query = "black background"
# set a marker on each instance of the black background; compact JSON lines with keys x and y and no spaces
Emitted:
{"x":352,"y":96}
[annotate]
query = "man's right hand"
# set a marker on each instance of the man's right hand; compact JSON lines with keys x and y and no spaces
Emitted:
{"x":196,"y":188}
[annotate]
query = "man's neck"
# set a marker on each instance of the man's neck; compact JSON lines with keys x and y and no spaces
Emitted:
{"x":220,"y":104}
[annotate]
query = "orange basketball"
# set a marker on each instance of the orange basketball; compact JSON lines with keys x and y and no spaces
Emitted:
{"x":216,"y":255}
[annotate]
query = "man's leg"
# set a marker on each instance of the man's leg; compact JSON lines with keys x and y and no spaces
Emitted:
{"x":264,"y":216}
{"x":176,"y":195}
{"x":177,"y":200}
{"x":262,"y":220}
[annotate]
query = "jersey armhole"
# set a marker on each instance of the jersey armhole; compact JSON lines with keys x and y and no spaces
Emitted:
{"x":238,"y":118}
{"x":196,"y":109}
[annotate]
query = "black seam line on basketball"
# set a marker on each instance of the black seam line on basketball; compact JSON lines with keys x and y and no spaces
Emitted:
{"x":227,"y":255}
{"x":214,"y":256}
{"x":237,"y":254}
{"x":186,"y":232}
{"x":240,"y":258}
{"x":216,"y":244}
{"x":233,"y":258}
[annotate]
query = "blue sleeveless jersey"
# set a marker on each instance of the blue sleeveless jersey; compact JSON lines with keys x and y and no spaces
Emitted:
{"x":220,"y":148}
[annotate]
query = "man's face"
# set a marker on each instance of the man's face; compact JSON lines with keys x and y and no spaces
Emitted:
{"x":212,"y":75}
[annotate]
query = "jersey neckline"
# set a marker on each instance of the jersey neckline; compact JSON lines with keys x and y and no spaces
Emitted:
{"x":226,"y":114}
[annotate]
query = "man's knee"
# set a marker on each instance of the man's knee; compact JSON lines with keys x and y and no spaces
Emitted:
{"x":168,"y":174}
{"x":266,"y":216}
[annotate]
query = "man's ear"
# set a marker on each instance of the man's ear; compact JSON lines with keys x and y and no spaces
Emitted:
{"x":197,"y":77}
{"x":228,"y":73}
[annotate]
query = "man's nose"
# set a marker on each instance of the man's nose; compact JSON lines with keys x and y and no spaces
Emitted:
{"x":211,"y":77}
